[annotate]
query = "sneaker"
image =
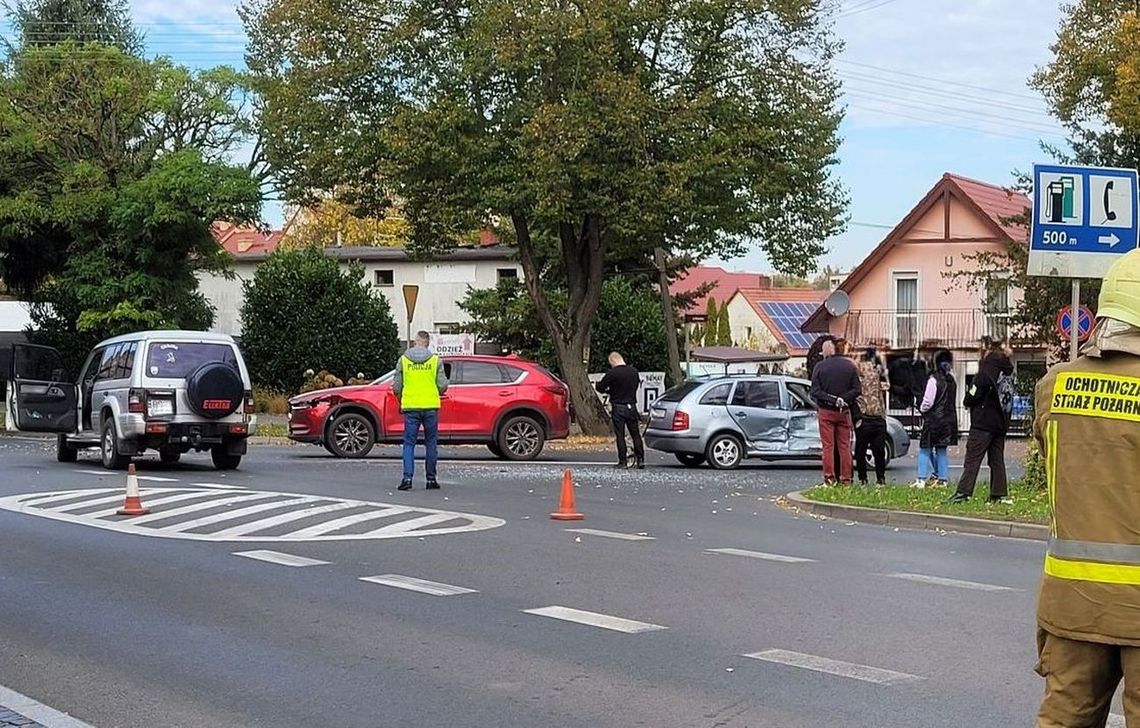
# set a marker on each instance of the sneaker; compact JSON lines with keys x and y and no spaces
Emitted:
{"x":958,"y":498}
{"x":942,"y":483}
{"x":918,"y":483}
{"x":432,"y":484}
{"x":1004,"y":500}
{"x":405,"y":485}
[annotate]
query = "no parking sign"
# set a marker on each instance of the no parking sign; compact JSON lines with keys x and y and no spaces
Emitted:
{"x":1084,"y":323}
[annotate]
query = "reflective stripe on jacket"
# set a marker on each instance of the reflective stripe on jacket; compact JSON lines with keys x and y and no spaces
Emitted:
{"x":420,"y":390}
{"x":1088,"y":426}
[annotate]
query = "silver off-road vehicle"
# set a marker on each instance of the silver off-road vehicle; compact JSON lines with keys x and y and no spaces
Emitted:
{"x":170,"y":391}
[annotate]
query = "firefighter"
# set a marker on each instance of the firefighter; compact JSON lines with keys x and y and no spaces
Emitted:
{"x":1088,"y":427}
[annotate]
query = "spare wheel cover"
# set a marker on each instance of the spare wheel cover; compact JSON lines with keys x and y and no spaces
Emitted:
{"x":215,"y":390}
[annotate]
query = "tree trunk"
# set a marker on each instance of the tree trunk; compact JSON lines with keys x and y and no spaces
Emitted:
{"x":582,"y":256}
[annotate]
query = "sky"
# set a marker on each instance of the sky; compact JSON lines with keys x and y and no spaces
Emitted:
{"x":930,"y":86}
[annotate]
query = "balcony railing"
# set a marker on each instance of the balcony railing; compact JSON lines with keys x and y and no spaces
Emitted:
{"x":952,"y":329}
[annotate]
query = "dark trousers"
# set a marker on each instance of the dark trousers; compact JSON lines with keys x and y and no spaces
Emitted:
{"x":991,"y":446}
{"x":413,"y":421}
{"x":835,"y":436}
{"x":871,"y":433}
{"x":625,"y":417}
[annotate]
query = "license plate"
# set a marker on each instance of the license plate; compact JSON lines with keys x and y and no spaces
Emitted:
{"x":657,"y":413}
{"x":160,"y":407}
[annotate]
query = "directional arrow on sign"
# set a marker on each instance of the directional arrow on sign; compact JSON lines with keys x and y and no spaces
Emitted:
{"x":1109,"y":240}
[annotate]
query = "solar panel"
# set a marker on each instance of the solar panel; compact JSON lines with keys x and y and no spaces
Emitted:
{"x":787,"y":317}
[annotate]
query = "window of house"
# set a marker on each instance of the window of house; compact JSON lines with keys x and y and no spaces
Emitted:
{"x":906,"y":310}
{"x":385,"y":277}
{"x":507,"y":274}
{"x":997,"y":305}
{"x":449,"y":328}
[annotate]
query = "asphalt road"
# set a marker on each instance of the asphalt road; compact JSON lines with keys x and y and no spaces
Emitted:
{"x":481,"y":611}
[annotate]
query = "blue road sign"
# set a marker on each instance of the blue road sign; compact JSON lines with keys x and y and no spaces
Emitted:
{"x":1083,"y":218}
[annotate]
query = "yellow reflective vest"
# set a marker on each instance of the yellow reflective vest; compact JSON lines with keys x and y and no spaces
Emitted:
{"x":420,"y":390}
{"x":1087,"y":424}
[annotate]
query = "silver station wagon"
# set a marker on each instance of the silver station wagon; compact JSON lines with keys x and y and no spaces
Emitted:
{"x":724,"y":420}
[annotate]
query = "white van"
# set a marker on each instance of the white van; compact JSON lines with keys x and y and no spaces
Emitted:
{"x":170,"y":391}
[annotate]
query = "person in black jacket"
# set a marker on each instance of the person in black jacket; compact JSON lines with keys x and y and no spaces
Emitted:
{"x":989,"y":423}
{"x":621,"y":383}
{"x":835,"y":387}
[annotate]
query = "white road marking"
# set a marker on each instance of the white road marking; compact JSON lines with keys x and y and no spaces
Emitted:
{"x":958,"y":583}
{"x":611,"y":534}
{"x":219,"y":486}
{"x":43,"y":714}
{"x":337,"y":524}
{"x":763,"y":556}
{"x":1115,"y":720}
{"x":593,"y":619}
{"x":160,"y":515}
{"x":276,"y":557}
{"x":157,"y":479}
{"x":835,"y":667}
{"x":422,"y":586}
{"x":240,"y":515}
{"x":123,"y":475}
{"x":264,"y":524}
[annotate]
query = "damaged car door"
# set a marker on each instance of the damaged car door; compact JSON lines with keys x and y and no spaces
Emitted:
{"x":803,"y":422}
{"x":756,"y":408}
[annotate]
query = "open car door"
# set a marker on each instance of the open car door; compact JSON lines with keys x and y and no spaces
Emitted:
{"x":41,"y":398}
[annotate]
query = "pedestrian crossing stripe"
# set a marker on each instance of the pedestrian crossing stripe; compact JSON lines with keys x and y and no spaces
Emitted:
{"x":247,"y":515}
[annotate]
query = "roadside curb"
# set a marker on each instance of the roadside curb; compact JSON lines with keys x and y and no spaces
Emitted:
{"x":921,"y":521}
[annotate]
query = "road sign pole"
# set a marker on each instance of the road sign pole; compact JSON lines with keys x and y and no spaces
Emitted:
{"x":1075,"y":318}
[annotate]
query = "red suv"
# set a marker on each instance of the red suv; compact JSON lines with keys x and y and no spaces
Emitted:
{"x":511,"y":405}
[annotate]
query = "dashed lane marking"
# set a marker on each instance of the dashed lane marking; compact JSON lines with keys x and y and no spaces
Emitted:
{"x":850,"y":670}
{"x":43,"y":714}
{"x":611,"y":534}
{"x":276,"y":557}
{"x":246,"y":515}
{"x":423,"y":586}
{"x":149,"y":478}
{"x":762,"y":556}
{"x":219,"y":486}
{"x":594,"y":619}
{"x":957,"y":583}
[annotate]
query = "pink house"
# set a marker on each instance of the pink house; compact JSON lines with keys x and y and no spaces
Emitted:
{"x":901,"y":297}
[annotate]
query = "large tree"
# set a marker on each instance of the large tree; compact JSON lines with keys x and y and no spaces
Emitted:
{"x":599,"y":129}
{"x":112,"y":169}
{"x":1092,"y":86}
{"x":49,"y":22}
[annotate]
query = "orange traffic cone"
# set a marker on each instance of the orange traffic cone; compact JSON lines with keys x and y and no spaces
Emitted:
{"x":133,"y":505}
{"x":566,"y":509}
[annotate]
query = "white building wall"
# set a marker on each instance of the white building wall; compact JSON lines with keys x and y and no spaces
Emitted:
{"x":743,"y":319}
{"x":442,"y":285}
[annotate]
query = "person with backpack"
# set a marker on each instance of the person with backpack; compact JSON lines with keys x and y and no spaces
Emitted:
{"x":990,"y":399}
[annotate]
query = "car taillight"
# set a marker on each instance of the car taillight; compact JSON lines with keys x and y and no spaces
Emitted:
{"x":248,"y":402}
{"x":680,"y":420}
{"x":136,"y":401}
{"x":557,"y":389}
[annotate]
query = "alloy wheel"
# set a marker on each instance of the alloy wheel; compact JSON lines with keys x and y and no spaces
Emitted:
{"x":726,"y":452}
{"x":522,"y":438}
{"x":352,"y":435}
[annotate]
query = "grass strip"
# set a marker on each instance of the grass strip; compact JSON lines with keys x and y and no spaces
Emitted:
{"x":1028,"y":505}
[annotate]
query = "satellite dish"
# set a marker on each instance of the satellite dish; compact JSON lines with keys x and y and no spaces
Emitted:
{"x":838,"y":303}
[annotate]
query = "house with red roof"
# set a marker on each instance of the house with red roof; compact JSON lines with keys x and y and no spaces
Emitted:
{"x":716,"y":283}
{"x":770,"y":319}
{"x":903,"y":297}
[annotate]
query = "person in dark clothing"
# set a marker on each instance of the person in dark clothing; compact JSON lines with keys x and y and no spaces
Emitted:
{"x":869,"y":416}
{"x":939,"y":423}
{"x":621,"y":383}
{"x":989,"y":423}
{"x":835,"y":387}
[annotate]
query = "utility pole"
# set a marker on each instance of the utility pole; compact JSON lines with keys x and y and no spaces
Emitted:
{"x":670,"y":319}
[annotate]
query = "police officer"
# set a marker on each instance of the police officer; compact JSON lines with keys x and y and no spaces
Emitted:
{"x":1088,"y":428}
{"x":419,"y":383}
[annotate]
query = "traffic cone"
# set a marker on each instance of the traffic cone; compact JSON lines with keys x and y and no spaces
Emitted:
{"x":566,"y":509}
{"x":133,"y":505}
